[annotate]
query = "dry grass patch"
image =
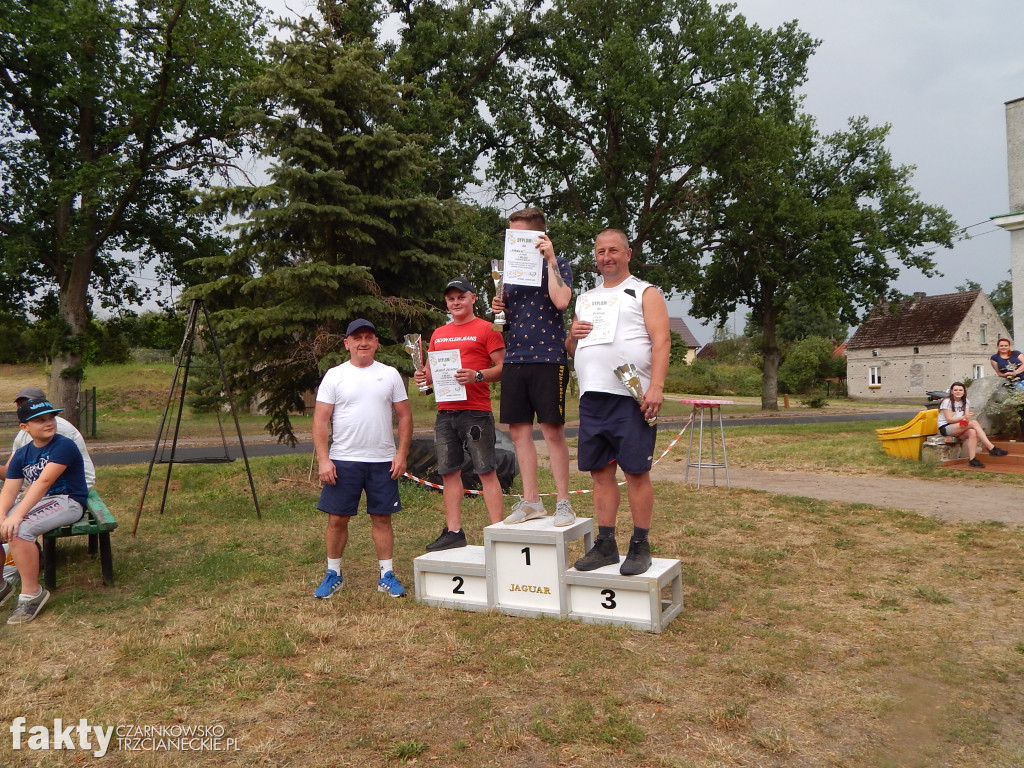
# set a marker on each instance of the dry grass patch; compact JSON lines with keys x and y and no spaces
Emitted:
{"x":815,"y":634}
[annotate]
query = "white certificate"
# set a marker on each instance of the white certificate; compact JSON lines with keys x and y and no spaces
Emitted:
{"x":523,"y":263}
{"x":443,"y":365}
{"x":603,"y":312}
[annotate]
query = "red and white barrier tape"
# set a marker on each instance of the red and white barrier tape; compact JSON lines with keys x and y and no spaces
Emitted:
{"x":664,"y":453}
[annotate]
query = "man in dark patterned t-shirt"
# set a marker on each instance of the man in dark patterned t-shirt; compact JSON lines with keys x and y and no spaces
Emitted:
{"x":535,"y":373}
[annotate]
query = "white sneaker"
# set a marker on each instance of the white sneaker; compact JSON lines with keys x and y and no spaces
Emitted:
{"x":563,"y":514}
{"x":524,"y":510}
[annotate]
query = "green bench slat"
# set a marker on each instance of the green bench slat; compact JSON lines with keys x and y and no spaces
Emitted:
{"x":96,"y":523}
{"x":97,"y":519}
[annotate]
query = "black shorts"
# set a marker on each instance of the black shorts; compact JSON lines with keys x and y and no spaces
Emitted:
{"x":533,"y":389}
{"x":613,"y":428}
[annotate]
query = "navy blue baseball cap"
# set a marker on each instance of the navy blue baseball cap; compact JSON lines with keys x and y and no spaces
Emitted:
{"x":38,"y":406}
{"x":359,"y":323}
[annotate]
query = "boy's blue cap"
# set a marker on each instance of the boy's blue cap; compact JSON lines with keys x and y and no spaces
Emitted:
{"x":37,"y":406}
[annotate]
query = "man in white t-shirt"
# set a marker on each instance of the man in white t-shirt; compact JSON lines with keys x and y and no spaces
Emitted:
{"x":64,"y":427}
{"x":355,"y":401}
{"x":631,"y":327}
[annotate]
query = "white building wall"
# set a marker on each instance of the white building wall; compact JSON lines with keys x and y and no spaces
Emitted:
{"x":906,"y":373}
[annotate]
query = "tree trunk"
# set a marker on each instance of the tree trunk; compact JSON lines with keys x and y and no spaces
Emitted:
{"x":66,"y":369}
{"x":772,"y":360}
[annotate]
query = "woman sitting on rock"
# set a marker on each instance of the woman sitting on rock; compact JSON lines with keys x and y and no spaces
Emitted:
{"x":956,"y":419}
{"x":1008,"y":364}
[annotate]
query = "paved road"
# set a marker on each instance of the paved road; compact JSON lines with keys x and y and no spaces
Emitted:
{"x":263,"y":445}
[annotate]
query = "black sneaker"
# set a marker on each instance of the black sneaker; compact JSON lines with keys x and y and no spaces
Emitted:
{"x":447,"y":540}
{"x":604,"y":552}
{"x":975,"y":463}
{"x":638,"y":559}
{"x":997,"y":451}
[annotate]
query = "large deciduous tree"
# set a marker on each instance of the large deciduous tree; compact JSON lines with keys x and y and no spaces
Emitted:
{"x":812,"y":216}
{"x":615,"y":112}
{"x":111,"y":111}
{"x":343,"y":228}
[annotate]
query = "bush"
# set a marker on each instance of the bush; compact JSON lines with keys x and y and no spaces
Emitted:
{"x":814,"y":402}
{"x":708,"y":377}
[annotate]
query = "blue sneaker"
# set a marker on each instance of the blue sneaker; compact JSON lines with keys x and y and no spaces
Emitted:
{"x":330,"y":585}
{"x":390,"y":584}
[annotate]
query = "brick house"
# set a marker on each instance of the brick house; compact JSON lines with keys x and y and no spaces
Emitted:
{"x":922,"y":343}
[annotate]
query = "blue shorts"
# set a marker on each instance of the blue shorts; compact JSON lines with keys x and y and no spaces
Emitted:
{"x":612,"y":428}
{"x":456,"y":432}
{"x":353,"y":478}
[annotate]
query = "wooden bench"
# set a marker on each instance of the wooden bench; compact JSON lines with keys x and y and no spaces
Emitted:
{"x":96,"y":523}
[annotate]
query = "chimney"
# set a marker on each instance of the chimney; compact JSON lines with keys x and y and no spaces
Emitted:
{"x":918,"y":295}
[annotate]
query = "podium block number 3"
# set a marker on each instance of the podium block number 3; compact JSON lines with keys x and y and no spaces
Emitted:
{"x":609,"y":602}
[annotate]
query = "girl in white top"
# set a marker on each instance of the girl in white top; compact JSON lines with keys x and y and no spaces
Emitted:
{"x":956,"y":419}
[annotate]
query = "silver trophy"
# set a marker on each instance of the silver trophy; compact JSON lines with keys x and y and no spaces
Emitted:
{"x":630,"y":378}
{"x":414,"y":346}
{"x":498,"y":275}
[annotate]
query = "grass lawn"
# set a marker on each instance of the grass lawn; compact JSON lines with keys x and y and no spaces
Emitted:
{"x":814,"y":634}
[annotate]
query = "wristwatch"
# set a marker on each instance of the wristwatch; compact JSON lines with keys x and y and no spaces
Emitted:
{"x":479,"y":376}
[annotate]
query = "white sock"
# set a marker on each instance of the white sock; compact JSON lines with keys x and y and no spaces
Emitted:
{"x":385,"y":566}
{"x":23,"y":598}
{"x":334,"y":564}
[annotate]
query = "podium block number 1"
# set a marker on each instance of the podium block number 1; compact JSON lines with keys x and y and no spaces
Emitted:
{"x":527,"y":576}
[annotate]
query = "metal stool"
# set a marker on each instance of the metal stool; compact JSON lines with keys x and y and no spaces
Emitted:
{"x":699,"y":407}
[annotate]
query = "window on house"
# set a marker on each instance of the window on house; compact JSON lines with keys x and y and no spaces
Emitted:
{"x":968,"y":336}
{"x":978,"y":373}
{"x":983,"y":336}
{"x":874,"y":353}
{"x":916,"y":350}
{"x":874,"y":376}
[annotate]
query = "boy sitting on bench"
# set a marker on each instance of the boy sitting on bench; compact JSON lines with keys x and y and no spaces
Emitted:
{"x":55,"y":495}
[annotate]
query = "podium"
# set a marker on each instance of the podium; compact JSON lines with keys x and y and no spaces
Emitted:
{"x":525,"y":570}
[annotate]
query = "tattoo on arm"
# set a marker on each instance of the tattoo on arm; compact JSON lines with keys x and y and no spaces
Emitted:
{"x":559,"y":280}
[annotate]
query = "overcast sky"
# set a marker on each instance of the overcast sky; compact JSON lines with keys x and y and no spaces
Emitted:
{"x":939,"y":72}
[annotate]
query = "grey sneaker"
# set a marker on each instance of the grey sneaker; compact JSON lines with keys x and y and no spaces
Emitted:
{"x":524,"y":510}
{"x":6,"y":590}
{"x":563,"y":514}
{"x":26,"y":610}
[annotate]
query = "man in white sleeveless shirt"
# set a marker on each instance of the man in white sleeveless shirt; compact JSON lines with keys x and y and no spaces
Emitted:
{"x":623,"y":320}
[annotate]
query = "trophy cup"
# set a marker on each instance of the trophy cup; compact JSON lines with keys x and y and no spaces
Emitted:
{"x":630,"y":377}
{"x":497,"y":274}
{"x":414,"y":346}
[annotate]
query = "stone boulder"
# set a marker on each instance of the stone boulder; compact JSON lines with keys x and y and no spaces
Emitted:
{"x":981,"y":393}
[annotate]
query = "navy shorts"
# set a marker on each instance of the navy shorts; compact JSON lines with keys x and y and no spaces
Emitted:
{"x":529,"y":389}
{"x":612,"y":428}
{"x":353,"y":478}
{"x":456,"y":432}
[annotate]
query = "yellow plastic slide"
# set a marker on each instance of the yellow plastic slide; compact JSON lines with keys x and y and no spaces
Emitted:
{"x":905,"y":442}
